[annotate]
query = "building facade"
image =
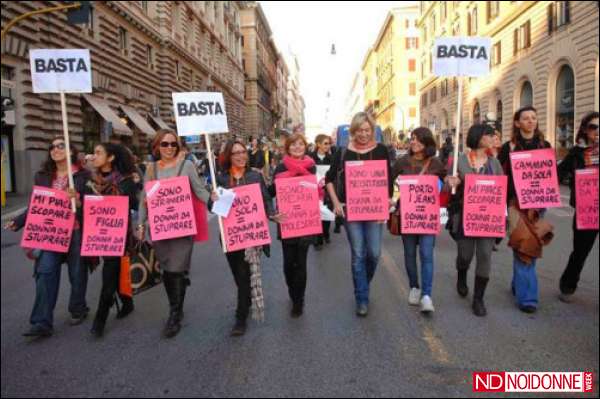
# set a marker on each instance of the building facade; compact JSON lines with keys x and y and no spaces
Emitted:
{"x":141,"y":52}
{"x":544,"y":53}
{"x":260,"y":67}
{"x":295,"y":101}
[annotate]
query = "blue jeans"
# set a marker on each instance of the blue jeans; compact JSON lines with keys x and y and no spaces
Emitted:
{"x":426,"y":243}
{"x":47,"y":281}
{"x":365,"y":244}
{"x":524,"y":282}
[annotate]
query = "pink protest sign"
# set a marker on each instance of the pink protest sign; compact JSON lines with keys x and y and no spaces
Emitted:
{"x":367,"y":196}
{"x":50,"y":221}
{"x":419,"y":204}
{"x":298,"y":200}
{"x":586,"y":198}
{"x":170,"y":208}
{"x":246,"y":225}
{"x":536,"y":178}
{"x":484,"y":210}
{"x":105,"y":221}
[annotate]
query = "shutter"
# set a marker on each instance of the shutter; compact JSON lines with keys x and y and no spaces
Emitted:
{"x":550,"y":17}
{"x":515,"y":41}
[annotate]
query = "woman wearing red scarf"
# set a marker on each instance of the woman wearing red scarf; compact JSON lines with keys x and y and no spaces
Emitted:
{"x":295,"y":250}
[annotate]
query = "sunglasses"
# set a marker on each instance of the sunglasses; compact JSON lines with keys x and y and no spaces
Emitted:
{"x":592,"y":126}
{"x":59,"y":146}
{"x":166,"y":144}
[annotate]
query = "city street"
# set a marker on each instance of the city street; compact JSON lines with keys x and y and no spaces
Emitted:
{"x":328,"y":352}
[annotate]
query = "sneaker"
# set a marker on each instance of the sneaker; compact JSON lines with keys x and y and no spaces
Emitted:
{"x":77,"y":319}
{"x":427,"y":304}
{"x":414,"y":296}
{"x":566,"y":298}
{"x":39,"y":331}
{"x":362,"y":310}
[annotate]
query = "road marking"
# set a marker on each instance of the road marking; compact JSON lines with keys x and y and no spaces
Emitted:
{"x":435,"y":345}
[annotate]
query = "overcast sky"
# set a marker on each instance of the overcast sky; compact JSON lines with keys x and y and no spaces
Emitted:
{"x":309,"y":28}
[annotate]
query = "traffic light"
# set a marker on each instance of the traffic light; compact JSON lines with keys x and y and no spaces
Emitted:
{"x":80,"y":15}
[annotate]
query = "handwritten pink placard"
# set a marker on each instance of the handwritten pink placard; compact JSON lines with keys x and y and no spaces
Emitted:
{"x":170,"y":208}
{"x":50,"y":221}
{"x":536,"y":178}
{"x":484,"y":210}
{"x":105,"y":221}
{"x":246,"y":225}
{"x":586,"y":198}
{"x":298,"y":200}
{"x":367,"y":196}
{"x":419,"y":204}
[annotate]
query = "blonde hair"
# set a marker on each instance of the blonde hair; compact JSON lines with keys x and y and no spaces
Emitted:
{"x":359,"y":119}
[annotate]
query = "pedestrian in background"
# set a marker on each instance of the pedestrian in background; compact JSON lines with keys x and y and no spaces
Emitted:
{"x":584,"y":155}
{"x":322,"y":157}
{"x":174,"y":255}
{"x":364,"y":237}
{"x":480,"y":138}
{"x":48,"y":264}
{"x":421,"y":160}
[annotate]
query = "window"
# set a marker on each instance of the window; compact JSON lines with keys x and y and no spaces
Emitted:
{"x":177,"y":70}
{"x":526,"y":97}
{"x":412,"y":65}
{"x":424,"y":100}
{"x":499,"y":115}
{"x":444,"y":88}
{"x":412,"y":89}
{"x":144,"y":5}
{"x":123,"y":42}
{"x":443,"y":11}
{"x":433,"y":94}
{"x":492,"y":10}
{"x":522,"y":37}
{"x":476,"y":113}
{"x":456,"y":30}
{"x":497,"y":54}
{"x":559,"y":14}
{"x":565,"y":111}
{"x":407,"y":23}
{"x":472,"y":22}
{"x":149,"y":56}
{"x":412,"y":112}
{"x":433,"y":26}
{"x":411,"y":42}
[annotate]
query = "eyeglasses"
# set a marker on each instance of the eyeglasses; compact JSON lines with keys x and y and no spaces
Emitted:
{"x":592,"y":126}
{"x":59,"y":146}
{"x":172,"y":144}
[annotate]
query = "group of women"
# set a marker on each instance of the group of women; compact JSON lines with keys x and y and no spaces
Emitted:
{"x":115,"y":174}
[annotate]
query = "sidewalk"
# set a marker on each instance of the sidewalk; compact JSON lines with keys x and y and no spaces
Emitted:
{"x":15,"y":204}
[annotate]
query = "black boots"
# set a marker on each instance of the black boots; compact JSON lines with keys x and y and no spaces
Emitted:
{"x":126,"y":307}
{"x":478,"y":305}
{"x":175,"y":285}
{"x":297,"y":309}
{"x":461,"y":283}
{"x":239,"y":328}
{"x":106,"y":302}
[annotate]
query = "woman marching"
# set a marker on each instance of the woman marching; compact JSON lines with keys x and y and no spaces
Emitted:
{"x":421,"y":160}
{"x":322,"y":157}
{"x":364,"y":237}
{"x":174,"y":255}
{"x":582,"y":156}
{"x":295,"y":250}
{"x":526,"y":136}
{"x":480,"y":139}
{"x":48,"y":264}
{"x":115,"y":171}
{"x":237,"y":172}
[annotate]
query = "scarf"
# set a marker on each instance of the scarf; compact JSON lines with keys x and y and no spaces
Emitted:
{"x":296,"y":167}
{"x":106,"y":184}
{"x":252,"y":256}
{"x":363,"y":147}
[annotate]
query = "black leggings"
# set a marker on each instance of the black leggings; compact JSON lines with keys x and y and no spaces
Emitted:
{"x":241,"y":274}
{"x":295,"y":253}
{"x":583,"y":242}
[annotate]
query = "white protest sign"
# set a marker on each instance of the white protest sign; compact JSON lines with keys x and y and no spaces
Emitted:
{"x":61,"y":70}
{"x":199,"y":113}
{"x":462,"y":56}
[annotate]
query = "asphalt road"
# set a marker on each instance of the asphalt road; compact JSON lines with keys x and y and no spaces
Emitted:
{"x":395,"y":351}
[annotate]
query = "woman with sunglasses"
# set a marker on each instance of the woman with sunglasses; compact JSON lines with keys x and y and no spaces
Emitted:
{"x":48,"y":264}
{"x":322,"y":157}
{"x":174,"y":255}
{"x":237,"y":172}
{"x":114,"y":175}
{"x":584,"y":155}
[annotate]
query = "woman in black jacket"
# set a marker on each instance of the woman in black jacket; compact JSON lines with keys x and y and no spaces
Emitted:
{"x":114,"y":175}
{"x":582,"y":156}
{"x":48,"y":264}
{"x":237,"y":172}
{"x":322,"y":157}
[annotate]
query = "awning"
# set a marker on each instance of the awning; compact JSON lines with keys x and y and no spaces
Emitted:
{"x":159,"y":122}
{"x":102,"y":107}
{"x":138,"y":120}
